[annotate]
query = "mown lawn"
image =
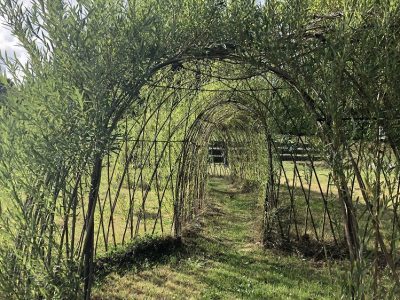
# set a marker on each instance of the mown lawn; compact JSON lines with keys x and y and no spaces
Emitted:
{"x":224,"y":260}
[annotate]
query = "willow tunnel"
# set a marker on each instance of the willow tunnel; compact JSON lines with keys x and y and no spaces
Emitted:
{"x":295,"y":119}
{"x":312,"y":175}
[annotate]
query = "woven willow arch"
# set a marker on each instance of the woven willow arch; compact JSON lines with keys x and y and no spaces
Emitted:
{"x":283,"y":135}
{"x":155,"y":181}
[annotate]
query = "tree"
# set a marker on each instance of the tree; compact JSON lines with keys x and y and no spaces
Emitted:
{"x":92,"y":63}
{"x":87,"y":64}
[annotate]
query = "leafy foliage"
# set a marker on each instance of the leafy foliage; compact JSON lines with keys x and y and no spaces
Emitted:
{"x":105,"y":78}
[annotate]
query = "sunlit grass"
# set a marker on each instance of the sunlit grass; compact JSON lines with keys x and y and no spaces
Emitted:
{"x":225,"y":261}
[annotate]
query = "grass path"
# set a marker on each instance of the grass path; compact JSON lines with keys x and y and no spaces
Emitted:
{"x":225,"y":261}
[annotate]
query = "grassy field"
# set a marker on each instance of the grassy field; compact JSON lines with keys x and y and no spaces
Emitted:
{"x":223,"y":259}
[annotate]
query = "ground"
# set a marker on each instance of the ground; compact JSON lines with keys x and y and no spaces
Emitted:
{"x":224,"y":259}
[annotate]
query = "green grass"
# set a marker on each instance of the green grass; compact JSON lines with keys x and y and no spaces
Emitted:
{"x":224,"y":260}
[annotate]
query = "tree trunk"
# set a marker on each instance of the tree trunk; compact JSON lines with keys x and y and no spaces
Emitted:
{"x":350,"y":220}
{"x":270,"y":201}
{"x":88,"y":250}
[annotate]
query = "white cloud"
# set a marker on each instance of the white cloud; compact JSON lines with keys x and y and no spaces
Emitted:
{"x":10,"y":44}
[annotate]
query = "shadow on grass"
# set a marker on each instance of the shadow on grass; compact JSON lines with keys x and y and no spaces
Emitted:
{"x":141,"y":254}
